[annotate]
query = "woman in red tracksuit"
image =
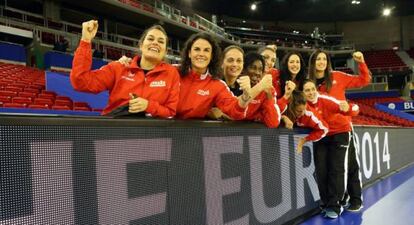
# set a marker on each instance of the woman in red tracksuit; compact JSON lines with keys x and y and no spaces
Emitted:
{"x":298,"y":113}
{"x":201,"y":87}
{"x":292,"y":69}
{"x":335,"y":83}
{"x":330,"y":153}
{"x":269,"y":54}
{"x":148,"y":85}
{"x":265,"y":107}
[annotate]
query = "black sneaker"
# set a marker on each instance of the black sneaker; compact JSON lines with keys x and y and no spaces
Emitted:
{"x":354,"y":207}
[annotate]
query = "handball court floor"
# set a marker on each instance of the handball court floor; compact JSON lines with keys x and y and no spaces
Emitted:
{"x":387,"y":202}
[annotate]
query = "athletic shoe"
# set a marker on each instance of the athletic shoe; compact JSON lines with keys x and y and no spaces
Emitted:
{"x":330,"y":213}
{"x":354,"y":207}
{"x":322,"y":208}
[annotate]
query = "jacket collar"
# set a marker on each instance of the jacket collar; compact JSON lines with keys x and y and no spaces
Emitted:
{"x":197,"y":76}
{"x":135,"y":67}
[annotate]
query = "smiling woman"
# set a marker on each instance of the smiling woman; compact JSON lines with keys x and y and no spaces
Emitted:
{"x":201,"y":88}
{"x":147,"y":85}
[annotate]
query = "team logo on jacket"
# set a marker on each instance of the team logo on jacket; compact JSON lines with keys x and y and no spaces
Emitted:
{"x":254,"y":101}
{"x":158,"y":83}
{"x":203,"y":92}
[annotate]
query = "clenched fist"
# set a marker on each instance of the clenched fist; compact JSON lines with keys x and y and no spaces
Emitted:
{"x":344,"y":106}
{"x":289,"y":87}
{"x":244,"y":83}
{"x":358,"y":57}
{"x":266,"y":82}
{"x":89,"y":30}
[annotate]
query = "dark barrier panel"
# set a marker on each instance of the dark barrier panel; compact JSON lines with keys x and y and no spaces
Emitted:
{"x":12,"y":52}
{"x":64,"y":60}
{"x":106,"y":171}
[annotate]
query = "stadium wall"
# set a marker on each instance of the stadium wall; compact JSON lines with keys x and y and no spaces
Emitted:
{"x":58,"y":170}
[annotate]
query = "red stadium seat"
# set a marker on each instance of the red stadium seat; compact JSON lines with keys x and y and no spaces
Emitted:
{"x":62,"y":102}
{"x":13,"y":88}
{"x":81,"y":108}
{"x":33,"y":90}
{"x":27,"y":94}
{"x":60,"y":107}
{"x":81,"y":104}
{"x":46,"y":95}
{"x":43,"y":101}
{"x":22,"y":100}
{"x":33,"y":106}
{"x":8,"y":93}
{"x":14,"y":105}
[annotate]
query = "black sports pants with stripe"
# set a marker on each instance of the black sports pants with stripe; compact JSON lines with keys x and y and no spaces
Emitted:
{"x":354,"y":187}
{"x":331,"y":162}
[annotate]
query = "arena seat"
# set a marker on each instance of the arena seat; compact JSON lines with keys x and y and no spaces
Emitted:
{"x":380,"y":61}
{"x":34,"y":106}
{"x":63,"y":102}
{"x":14,"y":105}
{"x":22,"y":100}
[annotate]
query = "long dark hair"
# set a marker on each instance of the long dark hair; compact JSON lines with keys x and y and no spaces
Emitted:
{"x":312,"y":68}
{"x":213,"y":66}
{"x":297,"y":98}
{"x":285,"y":74}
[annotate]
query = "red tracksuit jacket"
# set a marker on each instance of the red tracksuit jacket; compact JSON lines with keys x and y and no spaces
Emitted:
{"x":313,"y":121}
{"x":266,"y":110}
{"x":276,"y":81}
{"x":199,"y":93}
{"x":327,"y":108}
{"x":160,"y":86}
{"x":342,"y":81}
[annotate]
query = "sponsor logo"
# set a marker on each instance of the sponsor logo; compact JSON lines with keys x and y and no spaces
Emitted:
{"x":203,"y":92}
{"x":158,"y":83}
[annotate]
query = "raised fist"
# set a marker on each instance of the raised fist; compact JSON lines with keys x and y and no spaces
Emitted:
{"x":358,"y":57}
{"x":266,"y":82}
{"x":344,"y":106}
{"x":89,"y":30}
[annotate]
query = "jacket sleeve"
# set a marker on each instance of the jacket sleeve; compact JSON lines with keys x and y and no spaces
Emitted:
{"x":282,"y":103}
{"x":319,"y":128}
{"x":333,"y":105}
{"x":229,"y":104}
{"x":81,"y":76}
{"x":270,"y":113}
{"x":169,"y":109}
{"x":356,"y":81}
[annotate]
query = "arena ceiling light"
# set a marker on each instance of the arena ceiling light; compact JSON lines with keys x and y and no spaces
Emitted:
{"x":355,"y":2}
{"x":386,"y":12}
{"x":253,"y":6}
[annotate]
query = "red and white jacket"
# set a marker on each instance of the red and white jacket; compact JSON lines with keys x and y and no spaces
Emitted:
{"x":160,"y":86}
{"x":342,"y":81}
{"x":313,"y":121}
{"x":265,"y":110}
{"x":200,"y":92}
{"x":276,"y":81}
{"x":327,"y":108}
